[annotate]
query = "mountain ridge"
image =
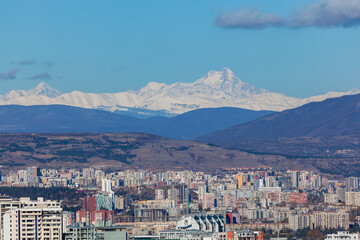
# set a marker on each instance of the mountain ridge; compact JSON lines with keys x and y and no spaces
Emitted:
{"x":215,"y":89}
{"x":335,"y":118}
{"x":62,"y":119}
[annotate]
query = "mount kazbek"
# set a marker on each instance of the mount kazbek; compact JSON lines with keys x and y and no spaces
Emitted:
{"x":215,"y":89}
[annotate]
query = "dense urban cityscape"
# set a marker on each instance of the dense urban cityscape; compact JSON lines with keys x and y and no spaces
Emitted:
{"x":242,"y":203}
{"x":179,"y":120}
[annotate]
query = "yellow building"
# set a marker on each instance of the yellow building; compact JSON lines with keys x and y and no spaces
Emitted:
{"x":240,"y":179}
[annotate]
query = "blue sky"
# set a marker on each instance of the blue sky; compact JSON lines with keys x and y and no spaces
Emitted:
{"x":112,"y":46}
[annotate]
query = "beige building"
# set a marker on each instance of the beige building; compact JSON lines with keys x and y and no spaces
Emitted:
{"x":330,"y":220}
{"x":352,"y":199}
{"x":208,"y":201}
{"x":299,"y":221}
{"x":39,"y":219}
{"x":331,"y":198}
{"x":323,"y":220}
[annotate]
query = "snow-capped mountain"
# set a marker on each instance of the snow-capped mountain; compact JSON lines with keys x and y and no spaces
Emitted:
{"x":215,"y":89}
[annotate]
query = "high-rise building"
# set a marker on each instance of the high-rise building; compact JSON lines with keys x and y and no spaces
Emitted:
{"x":330,"y":220}
{"x":229,"y":200}
{"x":68,"y":219}
{"x":89,"y":203}
{"x":240,"y":180}
{"x":88,"y":173}
{"x":159,"y":194}
{"x":105,"y":199}
{"x":352,"y":184}
{"x":295,"y":179}
{"x":6,"y":204}
{"x":299,"y":221}
{"x":33,"y":176}
{"x":208,"y":201}
{"x":322,"y":220}
{"x":179,"y":194}
{"x":119,"y":202}
{"x":106,"y":185}
{"x":352,"y":199}
{"x":33,"y":220}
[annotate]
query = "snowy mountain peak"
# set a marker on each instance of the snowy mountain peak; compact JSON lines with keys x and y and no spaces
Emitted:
{"x":43,"y":85}
{"x":225,"y":82}
{"x":153,"y":86}
{"x":355,"y":90}
{"x":42,"y":89}
{"x":218,"y":77}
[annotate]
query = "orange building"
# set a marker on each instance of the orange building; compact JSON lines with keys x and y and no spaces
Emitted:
{"x":240,"y":180}
{"x":230,"y":236}
{"x":296,"y":197}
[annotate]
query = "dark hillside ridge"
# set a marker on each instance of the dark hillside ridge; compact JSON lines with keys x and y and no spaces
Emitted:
{"x":62,"y":119}
{"x":332,"y":117}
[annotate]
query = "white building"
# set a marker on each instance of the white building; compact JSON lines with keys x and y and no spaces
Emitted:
{"x":342,"y":236}
{"x":331,"y":198}
{"x":68,"y":220}
{"x":106,"y":185}
{"x":6,"y":204}
{"x":203,"y":222}
{"x":39,"y":219}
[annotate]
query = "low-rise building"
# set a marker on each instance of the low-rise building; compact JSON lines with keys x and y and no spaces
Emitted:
{"x":101,"y":230}
{"x":343,"y":235}
{"x":203,"y":222}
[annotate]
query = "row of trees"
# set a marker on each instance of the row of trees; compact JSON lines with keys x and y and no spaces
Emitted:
{"x":71,"y":198}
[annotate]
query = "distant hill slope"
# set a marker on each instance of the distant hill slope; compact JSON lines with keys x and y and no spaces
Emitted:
{"x":328,"y":128}
{"x":115,"y":151}
{"x":59,"y":118}
{"x":62,"y":119}
{"x":195,"y":123}
{"x":137,"y":150}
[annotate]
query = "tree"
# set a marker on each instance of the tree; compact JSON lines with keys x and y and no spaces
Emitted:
{"x":314,"y":234}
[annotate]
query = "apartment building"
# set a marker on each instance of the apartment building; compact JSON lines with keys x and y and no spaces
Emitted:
{"x":101,"y":230}
{"x":323,"y":220}
{"x":6,"y":204}
{"x":39,"y":219}
{"x":328,"y":220}
{"x":299,"y":221}
{"x":342,"y":235}
{"x":352,"y":199}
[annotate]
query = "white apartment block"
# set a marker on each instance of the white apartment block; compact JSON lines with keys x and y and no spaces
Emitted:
{"x":6,"y":204}
{"x":40,"y":220}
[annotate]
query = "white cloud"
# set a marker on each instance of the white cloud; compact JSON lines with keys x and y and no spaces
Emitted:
{"x":325,"y":14}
